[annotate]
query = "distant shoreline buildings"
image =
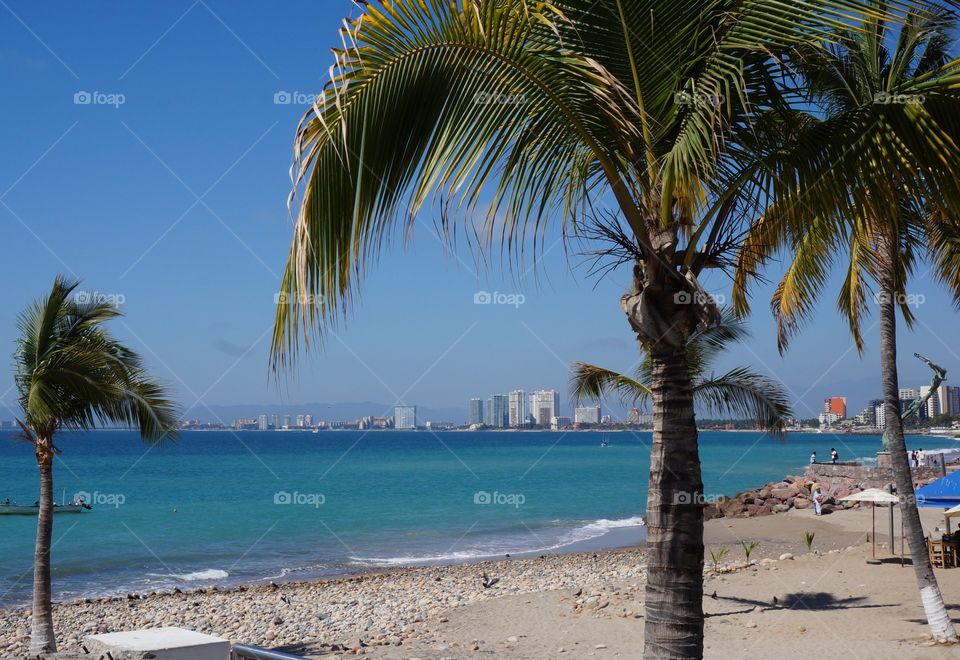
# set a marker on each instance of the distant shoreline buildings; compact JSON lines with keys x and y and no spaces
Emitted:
{"x":515,"y":410}
{"x":944,"y":402}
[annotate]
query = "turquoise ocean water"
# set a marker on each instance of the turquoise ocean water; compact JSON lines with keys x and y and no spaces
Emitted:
{"x":222,"y":507}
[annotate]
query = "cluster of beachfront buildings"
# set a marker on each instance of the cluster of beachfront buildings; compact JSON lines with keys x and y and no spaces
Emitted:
{"x":538,"y":409}
{"x":945,"y":401}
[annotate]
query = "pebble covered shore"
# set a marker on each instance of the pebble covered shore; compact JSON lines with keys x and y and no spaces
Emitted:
{"x":346,"y":614}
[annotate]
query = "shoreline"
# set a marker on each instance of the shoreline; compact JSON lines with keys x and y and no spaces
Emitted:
{"x":381,"y":607}
{"x":577,"y":603}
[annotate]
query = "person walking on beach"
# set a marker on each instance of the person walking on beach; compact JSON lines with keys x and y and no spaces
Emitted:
{"x":817,"y":497}
{"x":834,"y":456}
{"x":913,"y":458}
{"x":813,"y":458}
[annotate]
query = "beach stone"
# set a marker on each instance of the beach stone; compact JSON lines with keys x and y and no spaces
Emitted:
{"x":513,"y":639}
{"x":785,"y":556}
{"x":801,"y":503}
{"x":783,"y":493}
{"x":732,"y":507}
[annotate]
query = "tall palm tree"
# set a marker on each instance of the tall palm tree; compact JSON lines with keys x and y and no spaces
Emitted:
{"x":72,"y":374}
{"x":890,"y":201}
{"x":741,"y":391}
{"x":540,"y":111}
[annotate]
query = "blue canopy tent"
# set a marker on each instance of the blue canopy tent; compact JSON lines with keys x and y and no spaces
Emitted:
{"x":943,"y":493}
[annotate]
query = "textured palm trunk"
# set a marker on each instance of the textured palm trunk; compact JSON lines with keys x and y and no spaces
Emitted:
{"x":936,"y":612}
{"x":42,"y":639}
{"x":674,"y":592}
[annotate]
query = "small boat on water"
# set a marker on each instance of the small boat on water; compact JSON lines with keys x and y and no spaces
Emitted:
{"x":604,"y":443}
{"x":8,"y":508}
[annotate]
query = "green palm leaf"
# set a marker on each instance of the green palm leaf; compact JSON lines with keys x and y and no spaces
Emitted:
{"x":740,"y":392}
{"x":70,"y":372}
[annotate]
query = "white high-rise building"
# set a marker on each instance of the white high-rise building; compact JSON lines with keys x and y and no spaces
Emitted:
{"x":308,"y":420}
{"x":476,"y":412}
{"x":405,"y":417}
{"x":544,"y":405}
{"x":909,"y":393}
{"x":498,"y":415}
{"x":299,"y":421}
{"x":517,"y":408}
{"x":933,"y":403}
{"x":879,"y":414}
{"x":587,"y":415}
{"x":262,"y":423}
{"x":949,"y":396}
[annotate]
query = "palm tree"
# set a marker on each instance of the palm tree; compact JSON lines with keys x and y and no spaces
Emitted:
{"x":72,"y":374}
{"x":741,"y":391}
{"x":541,"y":112}
{"x":892,"y":199}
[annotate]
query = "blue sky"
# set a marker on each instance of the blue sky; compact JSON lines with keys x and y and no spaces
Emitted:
{"x":169,"y":191}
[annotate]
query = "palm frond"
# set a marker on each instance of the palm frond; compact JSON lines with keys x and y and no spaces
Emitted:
{"x":70,"y":372}
{"x":449,"y":100}
{"x":744,"y":393}
{"x":590,"y":382}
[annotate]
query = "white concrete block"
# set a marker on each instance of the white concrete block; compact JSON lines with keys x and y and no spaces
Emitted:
{"x":160,"y":643}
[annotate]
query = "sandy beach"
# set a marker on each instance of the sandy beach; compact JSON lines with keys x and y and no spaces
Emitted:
{"x":569,"y":605}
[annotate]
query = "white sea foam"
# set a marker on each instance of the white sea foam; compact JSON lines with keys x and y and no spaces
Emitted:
{"x":579,"y":534}
{"x":206,"y":574}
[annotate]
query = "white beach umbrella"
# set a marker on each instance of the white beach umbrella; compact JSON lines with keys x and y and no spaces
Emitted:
{"x":875,"y":496}
{"x":952,"y":513}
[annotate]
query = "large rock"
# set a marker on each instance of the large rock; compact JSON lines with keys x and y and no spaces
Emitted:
{"x":783,"y":494}
{"x":732,"y":507}
{"x":711,"y":511}
{"x":801,"y":503}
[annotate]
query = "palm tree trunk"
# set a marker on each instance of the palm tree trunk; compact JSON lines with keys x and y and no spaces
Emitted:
{"x":936,"y":612}
{"x":674,"y":592}
{"x":42,"y":638}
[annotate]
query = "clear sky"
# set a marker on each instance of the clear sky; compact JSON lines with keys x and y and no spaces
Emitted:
{"x":144,"y":151}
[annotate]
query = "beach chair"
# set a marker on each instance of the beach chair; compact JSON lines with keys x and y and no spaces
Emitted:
{"x":938,"y":556}
{"x":949,"y":554}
